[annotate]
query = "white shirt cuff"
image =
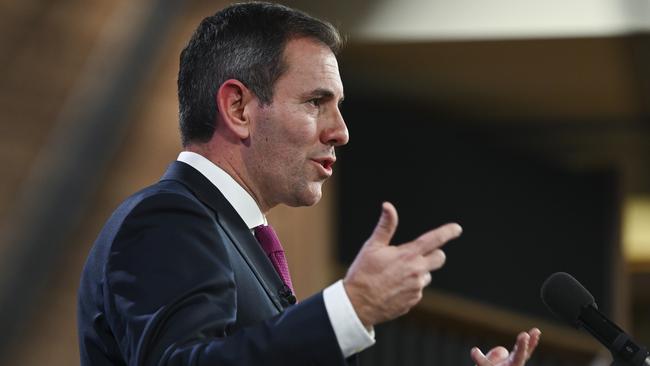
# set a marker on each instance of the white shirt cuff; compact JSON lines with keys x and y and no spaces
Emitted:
{"x":352,"y":336}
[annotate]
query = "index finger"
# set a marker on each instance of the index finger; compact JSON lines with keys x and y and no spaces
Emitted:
{"x":436,"y":238}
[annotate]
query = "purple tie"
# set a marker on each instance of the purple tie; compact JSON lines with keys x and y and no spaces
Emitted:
{"x":273,"y":249}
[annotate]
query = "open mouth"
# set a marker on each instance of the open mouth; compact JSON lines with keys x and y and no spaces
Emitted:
{"x":326,"y":164}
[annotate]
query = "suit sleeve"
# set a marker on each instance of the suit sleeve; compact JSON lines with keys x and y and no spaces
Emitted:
{"x":170,"y":297}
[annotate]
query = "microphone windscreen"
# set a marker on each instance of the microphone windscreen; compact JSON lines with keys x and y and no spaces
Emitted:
{"x":565,"y":297}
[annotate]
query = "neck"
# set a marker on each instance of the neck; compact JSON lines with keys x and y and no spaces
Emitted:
{"x":231,"y":163}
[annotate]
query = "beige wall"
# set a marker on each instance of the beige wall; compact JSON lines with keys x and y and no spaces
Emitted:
{"x":152,"y":142}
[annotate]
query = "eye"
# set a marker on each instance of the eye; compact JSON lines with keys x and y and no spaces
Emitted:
{"x":316,"y":102}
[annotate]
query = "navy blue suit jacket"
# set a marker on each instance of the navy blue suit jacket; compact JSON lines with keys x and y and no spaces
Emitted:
{"x":176,"y":278}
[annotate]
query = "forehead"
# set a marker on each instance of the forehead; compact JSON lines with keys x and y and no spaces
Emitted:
{"x":310,"y":65}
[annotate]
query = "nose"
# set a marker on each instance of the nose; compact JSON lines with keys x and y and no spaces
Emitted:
{"x":336,"y":133}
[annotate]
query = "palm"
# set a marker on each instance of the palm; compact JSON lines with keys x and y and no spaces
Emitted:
{"x":499,"y":356}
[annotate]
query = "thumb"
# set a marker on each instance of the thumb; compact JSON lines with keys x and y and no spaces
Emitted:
{"x":386,"y":226}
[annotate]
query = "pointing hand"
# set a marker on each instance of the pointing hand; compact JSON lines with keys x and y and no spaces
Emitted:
{"x":386,"y":281}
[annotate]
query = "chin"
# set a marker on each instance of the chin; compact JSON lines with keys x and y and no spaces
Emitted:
{"x":309,"y":197}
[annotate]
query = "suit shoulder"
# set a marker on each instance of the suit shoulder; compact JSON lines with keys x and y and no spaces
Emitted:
{"x":162,"y":221}
{"x":170,"y":192}
{"x":163,"y":199}
{"x":162,"y":194}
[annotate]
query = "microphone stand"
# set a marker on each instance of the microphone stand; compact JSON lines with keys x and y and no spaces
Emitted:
{"x":625,"y":351}
{"x":620,"y":362}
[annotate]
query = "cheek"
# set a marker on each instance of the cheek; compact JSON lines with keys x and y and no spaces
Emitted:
{"x":299,"y":126}
{"x":292,"y":148}
{"x":289,"y":136}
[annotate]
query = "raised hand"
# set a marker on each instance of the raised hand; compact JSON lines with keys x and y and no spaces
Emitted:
{"x":499,"y":356}
{"x":386,"y":281}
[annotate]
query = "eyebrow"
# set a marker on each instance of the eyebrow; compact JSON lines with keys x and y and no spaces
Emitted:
{"x":323,"y":93}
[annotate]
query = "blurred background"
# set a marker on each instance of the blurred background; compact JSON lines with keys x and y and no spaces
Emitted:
{"x":528,"y":122}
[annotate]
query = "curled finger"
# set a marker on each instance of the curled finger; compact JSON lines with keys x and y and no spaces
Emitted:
{"x":534,"y":334}
{"x":520,"y":352}
{"x":479,"y":358}
{"x":497,"y":354}
{"x":435,"y":259}
{"x":426,"y":279}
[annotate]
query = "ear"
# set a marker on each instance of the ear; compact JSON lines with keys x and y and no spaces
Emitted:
{"x":232,"y":100}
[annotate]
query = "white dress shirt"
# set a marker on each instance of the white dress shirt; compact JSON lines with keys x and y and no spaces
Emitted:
{"x":351,"y":335}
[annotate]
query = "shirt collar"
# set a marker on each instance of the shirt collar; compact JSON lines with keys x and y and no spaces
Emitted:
{"x":235,"y":194}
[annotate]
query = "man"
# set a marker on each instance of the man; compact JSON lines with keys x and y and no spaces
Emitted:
{"x":186,"y":272}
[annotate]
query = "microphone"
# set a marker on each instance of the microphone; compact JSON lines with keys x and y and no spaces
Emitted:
{"x":565,"y":297}
{"x":288,"y":298}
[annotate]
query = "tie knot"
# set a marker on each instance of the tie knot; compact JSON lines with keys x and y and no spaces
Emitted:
{"x":268,"y":239}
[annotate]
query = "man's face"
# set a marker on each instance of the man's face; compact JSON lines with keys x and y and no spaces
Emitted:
{"x":292,"y":140}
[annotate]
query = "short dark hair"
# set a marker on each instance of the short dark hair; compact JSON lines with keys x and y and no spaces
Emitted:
{"x":244,"y":42}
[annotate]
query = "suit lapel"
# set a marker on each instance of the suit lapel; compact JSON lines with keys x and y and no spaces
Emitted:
{"x":234,"y":227}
